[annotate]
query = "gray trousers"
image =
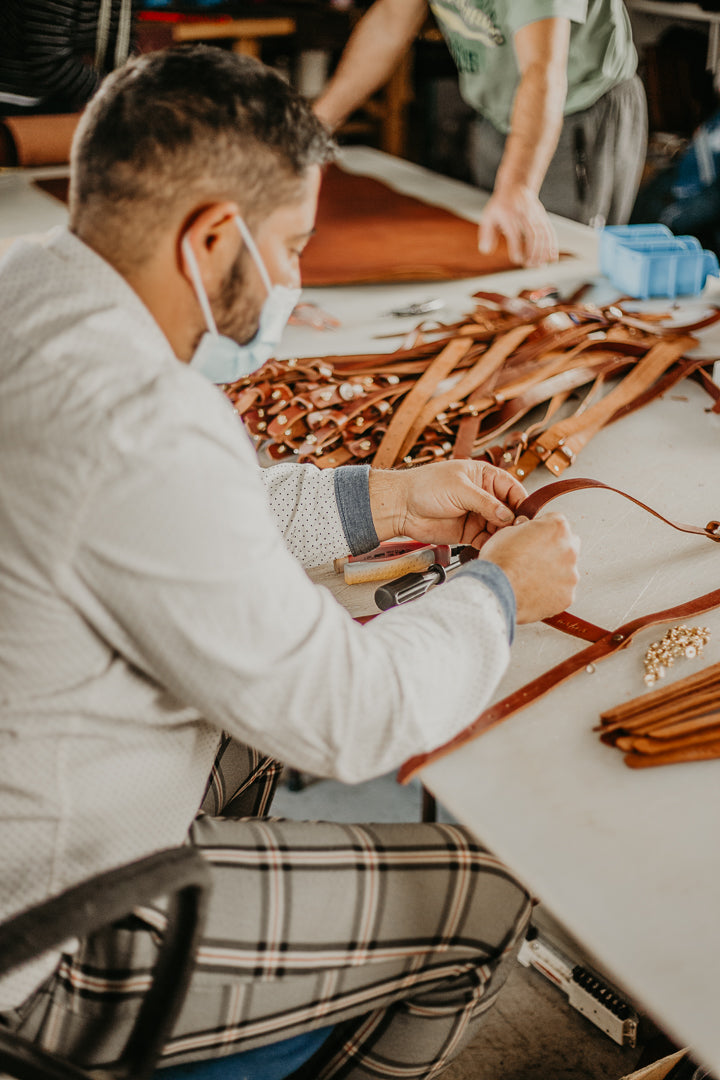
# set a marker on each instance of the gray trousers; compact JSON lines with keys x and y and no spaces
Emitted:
{"x":595,"y":173}
{"x":400,"y":935}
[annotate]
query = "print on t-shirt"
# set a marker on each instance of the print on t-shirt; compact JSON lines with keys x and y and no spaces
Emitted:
{"x":469,"y":26}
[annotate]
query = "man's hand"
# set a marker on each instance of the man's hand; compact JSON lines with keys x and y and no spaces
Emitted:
{"x":517,"y":214}
{"x":450,"y":502}
{"x":540,"y":560}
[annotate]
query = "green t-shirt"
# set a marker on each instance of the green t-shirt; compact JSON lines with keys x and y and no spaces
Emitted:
{"x":479,"y":35}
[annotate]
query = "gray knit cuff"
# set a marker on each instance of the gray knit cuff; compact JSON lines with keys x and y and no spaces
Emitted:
{"x":352,"y":493}
{"x":496,"y":580}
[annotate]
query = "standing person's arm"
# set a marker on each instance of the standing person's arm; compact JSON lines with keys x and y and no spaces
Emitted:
{"x":372,"y":54}
{"x":514,"y":209}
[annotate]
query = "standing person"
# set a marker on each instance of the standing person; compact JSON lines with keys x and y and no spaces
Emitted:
{"x":54,"y":53}
{"x":161,"y":646}
{"x":562,"y":117}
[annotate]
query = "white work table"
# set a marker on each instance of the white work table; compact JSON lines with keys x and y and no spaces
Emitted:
{"x":629,"y":861}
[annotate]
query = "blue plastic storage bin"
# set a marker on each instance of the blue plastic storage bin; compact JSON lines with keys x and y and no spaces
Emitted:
{"x":648,"y":260}
{"x":614,"y":235}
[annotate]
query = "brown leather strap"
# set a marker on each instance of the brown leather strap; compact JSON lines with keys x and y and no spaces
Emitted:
{"x":610,"y":641}
{"x":562,"y":442}
{"x":487,"y":364}
{"x":556,"y":388}
{"x":706,"y":752}
{"x":546,"y":494}
{"x":421,"y":392}
{"x":675,"y":328}
{"x":576,"y":627}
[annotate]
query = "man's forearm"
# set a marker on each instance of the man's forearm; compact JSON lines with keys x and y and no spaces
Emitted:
{"x":372,"y":54}
{"x":535,"y":127}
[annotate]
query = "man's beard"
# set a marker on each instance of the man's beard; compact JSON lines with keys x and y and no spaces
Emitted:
{"x":236,"y":314}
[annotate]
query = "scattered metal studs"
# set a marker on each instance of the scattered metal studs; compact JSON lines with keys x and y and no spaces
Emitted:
{"x":687,"y":641}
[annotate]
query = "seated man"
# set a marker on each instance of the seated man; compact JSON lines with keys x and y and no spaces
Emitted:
{"x":161,"y":646}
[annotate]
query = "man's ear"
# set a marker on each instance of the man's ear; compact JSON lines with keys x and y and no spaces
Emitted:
{"x":214,"y":237}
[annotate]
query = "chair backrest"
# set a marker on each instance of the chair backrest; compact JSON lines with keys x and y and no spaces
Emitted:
{"x":180,"y":874}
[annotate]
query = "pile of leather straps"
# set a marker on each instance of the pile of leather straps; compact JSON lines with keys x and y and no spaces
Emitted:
{"x":467,"y":389}
{"x":677,"y":723}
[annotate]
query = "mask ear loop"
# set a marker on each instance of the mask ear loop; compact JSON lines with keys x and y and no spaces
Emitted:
{"x":253,"y":249}
{"x":194,"y":271}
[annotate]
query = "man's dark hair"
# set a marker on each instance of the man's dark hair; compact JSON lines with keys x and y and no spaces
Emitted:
{"x":173,"y":128}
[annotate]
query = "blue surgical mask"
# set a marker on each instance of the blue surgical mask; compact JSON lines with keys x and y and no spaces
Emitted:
{"x":218,"y":357}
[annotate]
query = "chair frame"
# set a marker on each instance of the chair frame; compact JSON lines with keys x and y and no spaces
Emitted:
{"x":183,"y":876}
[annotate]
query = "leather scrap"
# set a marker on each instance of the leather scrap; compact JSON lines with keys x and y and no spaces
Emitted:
{"x":368,"y":232}
{"x":32,"y":141}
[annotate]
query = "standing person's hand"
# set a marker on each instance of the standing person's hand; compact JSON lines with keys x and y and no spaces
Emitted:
{"x":517,"y":214}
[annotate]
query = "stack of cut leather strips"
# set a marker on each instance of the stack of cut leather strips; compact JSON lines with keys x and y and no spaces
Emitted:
{"x":516,"y":382}
{"x":680,"y":722}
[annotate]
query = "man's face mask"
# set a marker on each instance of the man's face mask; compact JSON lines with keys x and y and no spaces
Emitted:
{"x":218,"y":357}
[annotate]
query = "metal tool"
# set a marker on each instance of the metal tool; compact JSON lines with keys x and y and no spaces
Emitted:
{"x":422,"y":307}
{"x":587,"y":991}
{"x":411,"y":586}
{"x":382,"y":566}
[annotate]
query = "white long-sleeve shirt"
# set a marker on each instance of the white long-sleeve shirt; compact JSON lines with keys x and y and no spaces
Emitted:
{"x":152,"y":595}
